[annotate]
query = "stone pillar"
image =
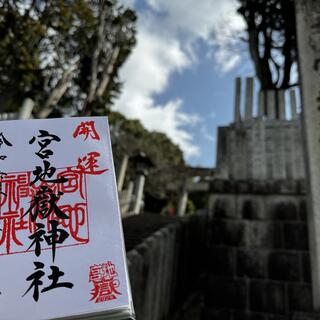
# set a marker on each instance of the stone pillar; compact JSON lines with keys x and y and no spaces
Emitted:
{"x":237,"y":102}
{"x":269,"y":151}
{"x":26,"y":109}
{"x":271,"y":104}
{"x":238,"y":153}
{"x":261,"y":109}
{"x":249,"y":99}
{"x":139,"y":193}
{"x":308,"y":31}
{"x":293,"y":166}
{"x":122,"y":172}
{"x":223,"y":168}
{"x":293,"y":104}
{"x":258,"y":164}
{"x":282,"y":105}
{"x":128,"y":198}
{"x":182,"y":206}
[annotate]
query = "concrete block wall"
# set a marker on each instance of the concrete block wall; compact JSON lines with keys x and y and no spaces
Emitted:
{"x":258,"y":264}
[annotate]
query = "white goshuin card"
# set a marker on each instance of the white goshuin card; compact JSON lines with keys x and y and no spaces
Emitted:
{"x":61,"y":243}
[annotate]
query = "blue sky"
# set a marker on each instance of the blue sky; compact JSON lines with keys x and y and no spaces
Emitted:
{"x":180,"y":77}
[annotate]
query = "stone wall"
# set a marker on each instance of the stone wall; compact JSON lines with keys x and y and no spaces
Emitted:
{"x":261,"y":149}
{"x":165,"y":261}
{"x":258,"y":260}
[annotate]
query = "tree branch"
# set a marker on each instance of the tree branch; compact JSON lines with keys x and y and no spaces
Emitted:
{"x":95,"y":57}
{"x":108,"y":71}
{"x":277,"y":69}
{"x":56,"y":93}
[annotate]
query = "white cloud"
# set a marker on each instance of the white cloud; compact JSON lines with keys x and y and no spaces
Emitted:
{"x":206,"y":134}
{"x":128,"y":3}
{"x":168,"y":32}
{"x":152,"y":62}
{"x":199,"y":17}
{"x":147,"y":73}
{"x":215,"y":22}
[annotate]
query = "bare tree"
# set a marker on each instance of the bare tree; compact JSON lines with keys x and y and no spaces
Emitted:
{"x":271,"y":30}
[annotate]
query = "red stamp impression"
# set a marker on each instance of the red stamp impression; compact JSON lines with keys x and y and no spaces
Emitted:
{"x":18,"y":195}
{"x":24,"y":204}
{"x":105,"y":282}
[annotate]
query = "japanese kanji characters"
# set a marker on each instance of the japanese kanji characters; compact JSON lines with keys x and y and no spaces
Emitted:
{"x":36,"y":280}
{"x":89,"y":164}
{"x":86,"y":129}
{"x":44,"y":199}
{"x":42,"y":205}
{"x":104,"y":278}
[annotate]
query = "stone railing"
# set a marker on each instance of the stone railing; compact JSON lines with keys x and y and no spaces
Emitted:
{"x":165,"y":262}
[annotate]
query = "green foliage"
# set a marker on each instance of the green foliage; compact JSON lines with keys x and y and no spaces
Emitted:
{"x":191,"y":208}
{"x":62,"y":49}
{"x":20,"y":71}
{"x":130,"y":137}
{"x":199,"y":199}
